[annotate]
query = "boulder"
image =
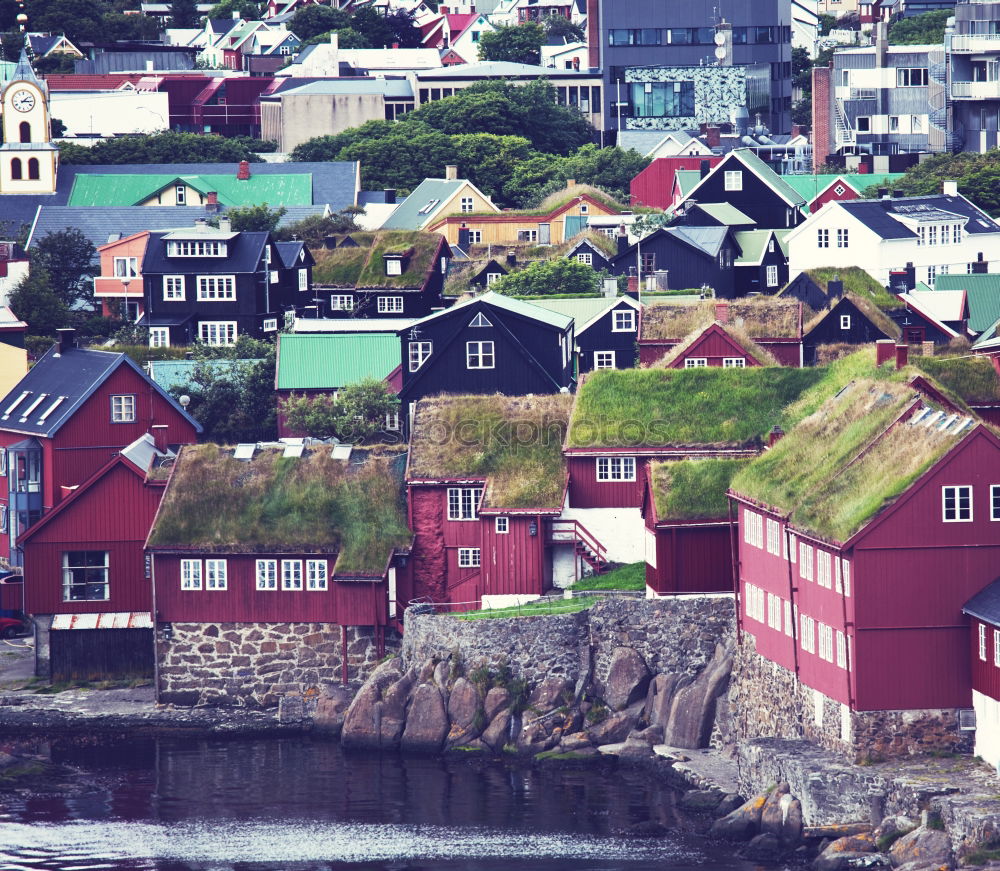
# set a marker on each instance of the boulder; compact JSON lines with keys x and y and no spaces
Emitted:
{"x":843,"y":860}
{"x":652,"y":735}
{"x":628,"y":679}
{"x":704,"y":800}
{"x":497,"y":733}
{"x":613,"y":729}
{"x":575,"y":741}
{"x":534,"y":738}
{"x":394,"y":701}
{"x":426,"y":721}
{"x":658,"y":698}
{"x":742,"y":824}
{"x":692,"y":711}
{"x":782,"y":817}
{"x":863,"y":843}
{"x":442,"y":671}
{"x":548,"y":695}
{"x":635,"y":749}
{"x":496,"y":700}
{"x":464,"y":710}
{"x":729,"y":803}
{"x":764,"y":847}
{"x":331,"y":708}
{"x":362,"y":723}
{"x":923,"y":846}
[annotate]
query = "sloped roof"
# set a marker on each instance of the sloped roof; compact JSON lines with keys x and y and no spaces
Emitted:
{"x":708,"y":240}
{"x":881,"y":216}
{"x":985,"y":605}
{"x":686,"y":180}
{"x":328,"y":361}
{"x":983,"y":292}
{"x":244,"y":253}
{"x":764,"y":172}
{"x":583,"y":310}
{"x":363,"y":265}
{"x":752,"y":243}
{"x":944,"y":305}
{"x":917,"y":303}
{"x":332,"y":87}
{"x":811,"y":186}
{"x":693,"y":489}
{"x":178,"y":373}
{"x":509,"y":304}
{"x":114,"y":190}
{"x":737,"y":335}
{"x":759,"y":318}
{"x":424,"y":203}
{"x":490,"y":69}
{"x":989,"y":340}
{"x":725,"y":214}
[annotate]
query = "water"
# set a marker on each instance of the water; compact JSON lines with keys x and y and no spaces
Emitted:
{"x":190,"y":805}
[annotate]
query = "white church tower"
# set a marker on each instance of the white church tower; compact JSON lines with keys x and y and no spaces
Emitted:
{"x":28,"y":159}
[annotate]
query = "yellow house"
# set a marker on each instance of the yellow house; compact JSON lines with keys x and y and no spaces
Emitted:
{"x":13,"y":356}
{"x":435,"y":197}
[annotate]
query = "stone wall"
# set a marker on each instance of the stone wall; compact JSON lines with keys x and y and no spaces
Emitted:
{"x":256,"y":664}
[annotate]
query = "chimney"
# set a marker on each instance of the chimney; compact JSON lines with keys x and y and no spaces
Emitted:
{"x":334,"y":44}
{"x":713,"y":136}
{"x":885,"y":351}
{"x":66,"y":339}
{"x":927,"y":349}
{"x":329,"y":242}
{"x":897,"y":193}
{"x":451,"y":172}
{"x":799,"y":130}
{"x":911,"y":276}
{"x":704,"y":168}
{"x":395,"y":45}
{"x":225,"y":225}
{"x":949,"y":188}
{"x":212,"y":202}
{"x":722,"y":312}
{"x":159,"y":433}
{"x":775,"y":436}
{"x":511,"y":258}
{"x":834,"y":288}
{"x":570,"y":183}
{"x":243,"y":173}
{"x":883,"y":193}
{"x":980,"y":267}
{"x":622,"y":239}
{"x":902,"y":356}
{"x":633,"y":283}
{"x":390,"y":196}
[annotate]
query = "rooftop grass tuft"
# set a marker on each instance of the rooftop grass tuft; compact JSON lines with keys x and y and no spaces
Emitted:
{"x":857,"y":282}
{"x":693,"y":489}
{"x":364,"y":266}
{"x":759,"y":318}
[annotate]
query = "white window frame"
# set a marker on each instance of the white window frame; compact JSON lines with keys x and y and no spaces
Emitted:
{"x":843,"y":238}
{"x":825,"y":642}
{"x":123,"y":408}
{"x":808,"y":633}
{"x":475,"y":237}
{"x":996,"y":647}
{"x":492,"y":278}
{"x":956,"y":492}
{"x":270,"y":325}
{"x":390,"y":305}
{"x":845,"y":322}
{"x":774,"y":611}
{"x":216,"y":574}
{"x":68,"y":583}
{"x":341,"y":302}
{"x":477,"y":354}
{"x":695,"y":362}
{"x":469,"y":558}
{"x":733,"y":180}
{"x":192,"y":248}
{"x":467,"y":204}
{"x":609,"y":469}
{"x":604,"y":360}
{"x":772,"y":275}
{"x":303,"y":279}
{"x":191,"y":574}
{"x":982,"y":642}
{"x":393,"y":266}
{"x":267,"y":574}
{"x":126,"y":267}
{"x":773,"y":537}
{"x":823,"y":574}
{"x":994,"y":501}
{"x":501,"y":525}
{"x":180,"y":195}
{"x":217,"y":333}
{"x":216,"y":288}
{"x":841,"y":650}
{"x":845,"y":576}
{"x":624,"y":321}
{"x":806,"y":569}
{"x":823,"y":238}
{"x":585,"y":257}
{"x":173,"y":288}
{"x":734,"y":362}
{"x":417,"y":353}
{"x":291,"y":574}
{"x":463,"y":503}
{"x":317,"y":575}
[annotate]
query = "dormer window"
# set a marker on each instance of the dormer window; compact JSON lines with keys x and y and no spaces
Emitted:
{"x":180,"y":195}
{"x":178,"y":248}
{"x":393,"y":266}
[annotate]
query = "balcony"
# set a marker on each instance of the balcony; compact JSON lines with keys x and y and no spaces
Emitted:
{"x":976,"y":43}
{"x":976,"y":90}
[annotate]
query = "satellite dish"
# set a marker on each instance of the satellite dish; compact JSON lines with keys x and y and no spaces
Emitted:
{"x":720,"y":39}
{"x":721,"y":52}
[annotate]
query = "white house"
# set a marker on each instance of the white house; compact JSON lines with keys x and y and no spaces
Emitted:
{"x":938,"y":234}
{"x":467,"y":42}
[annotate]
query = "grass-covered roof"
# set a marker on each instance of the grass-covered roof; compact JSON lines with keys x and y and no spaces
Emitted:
{"x":868,"y":308}
{"x":513,"y":442}
{"x":693,"y":489}
{"x":858,"y":282}
{"x":839,"y":467}
{"x":758,"y":318}
{"x":973,"y":378}
{"x":276,"y":504}
{"x":363,"y":265}
{"x":761,"y":355}
{"x":677,"y":407}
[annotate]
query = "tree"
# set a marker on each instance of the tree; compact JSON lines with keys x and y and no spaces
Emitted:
{"x":37,"y":304}
{"x":313,"y":20}
{"x":648,"y":223}
{"x":827,"y":23}
{"x":978,"y":177}
{"x":167,"y":147}
{"x":520,"y":43}
{"x":801,"y":69}
{"x":924,"y":29}
{"x":58,"y":128}
{"x":534,"y":179}
{"x":802,"y":111}
{"x":545,"y":277}
{"x":244,"y":8}
{"x":559,"y":27}
{"x":610,"y":169}
{"x":347,"y":37}
{"x":488,"y":161}
{"x":357,"y":414}
{"x":385,"y":30}
{"x":184,"y":13}
{"x":258,"y":217}
{"x":67,"y":258}
{"x":116,"y":26}
{"x":314,"y":229}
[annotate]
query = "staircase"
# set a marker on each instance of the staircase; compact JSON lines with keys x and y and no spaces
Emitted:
{"x":845,"y":134}
{"x":585,"y":544}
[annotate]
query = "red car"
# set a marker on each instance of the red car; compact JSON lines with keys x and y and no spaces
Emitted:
{"x":12,"y":627}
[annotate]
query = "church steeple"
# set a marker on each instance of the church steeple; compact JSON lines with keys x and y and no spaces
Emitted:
{"x":24,"y":72}
{"x":29,"y":161}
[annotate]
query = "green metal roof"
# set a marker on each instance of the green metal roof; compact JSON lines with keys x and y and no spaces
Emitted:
{"x":423,"y":204}
{"x":811,"y":186}
{"x":132,"y":189}
{"x":752,"y":243}
{"x":983,"y":294}
{"x":687,"y":179}
{"x":178,"y":373}
{"x":328,"y":361}
{"x":581,"y":310}
{"x":767,"y":175}
{"x":726,"y":214}
{"x":989,"y":340}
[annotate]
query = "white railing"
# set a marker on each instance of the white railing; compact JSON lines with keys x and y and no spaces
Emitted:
{"x":976,"y":42}
{"x":975,"y":90}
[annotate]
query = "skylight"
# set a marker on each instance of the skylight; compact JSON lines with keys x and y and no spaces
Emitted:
{"x":244,"y":451}
{"x":59,"y":401}
{"x":27,"y":412}
{"x":14,"y":404}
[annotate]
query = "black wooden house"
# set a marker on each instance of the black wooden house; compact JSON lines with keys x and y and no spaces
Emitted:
{"x":850,"y":320}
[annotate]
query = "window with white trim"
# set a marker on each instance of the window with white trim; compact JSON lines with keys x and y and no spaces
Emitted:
{"x":773,"y":537}
{"x":3,"y":518}
{"x":468,"y":557}
{"x":823,"y":569}
{"x":217,"y":332}
{"x":270,"y":325}
{"x":754,"y":602}
{"x":805,"y":561}
{"x":604,"y":360}
{"x":173,"y":287}
{"x":825,"y":642}
{"x":996,"y":647}
{"x":493,"y":277}
{"x":793,"y":548}
{"x":822,"y":238}
{"x":994,"y":501}
{"x":393,"y":266}
{"x":196,"y":249}
{"x":845,"y":572}
{"x":342,"y":302}
{"x":316,"y":574}
{"x":585,"y":257}
{"x":982,"y":642}
{"x":180,"y":195}
{"x":291,"y":574}
{"x":216,"y":574}
{"x":733,"y":180}
{"x":466,"y":204}
{"x":624,"y":321}
{"x":845,"y":322}
{"x":126,"y":267}
{"x":772,"y":275}
{"x":463,"y":503}
{"x":122,"y":408}
{"x":390,"y":304}
{"x":616,"y":468}
{"x":956,"y":504}
{"x":190,"y":574}
{"x":479,"y":355}
{"x":392,"y":421}
{"x":475,"y":237}
{"x":836,"y":575}
{"x":841,"y":650}
{"x":303,"y":279}
{"x":267,"y":574}
{"x":216,"y":287}
{"x":843,"y":238}
{"x":807,"y":633}
{"x":85,"y":576}
{"x":774,"y":611}
{"x":696,"y":362}
{"x":527,"y":235}
{"x":418,"y":354}
{"x":734,"y":363}
{"x":501,"y":525}
{"x":789,"y":627}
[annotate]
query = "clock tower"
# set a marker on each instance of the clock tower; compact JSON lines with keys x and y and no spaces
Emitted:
{"x":28,"y":159}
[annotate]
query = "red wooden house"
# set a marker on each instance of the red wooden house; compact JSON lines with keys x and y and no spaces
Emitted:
{"x":284,"y":549}
{"x":72,"y":413}
{"x":754,"y":325}
{"x":983,"y":610}
{"x":862,"y":533}
{"x":485,"y":486}
{"x":86,"y":586}
{"x":654,"y":186}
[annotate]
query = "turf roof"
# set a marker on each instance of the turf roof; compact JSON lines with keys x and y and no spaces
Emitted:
{"x":276,"y":504}
{"x":761,"y":355}
{"x":724,"y":408}
{"x":972,"y":378}
{"x":693,"y":489}
{"x":835,"y":471}
{"x":868,"y":308}
{"x":857,"y":282}
{"x":364,"y":266}
{"x":513,"y":442}
{"x":759,"y":318}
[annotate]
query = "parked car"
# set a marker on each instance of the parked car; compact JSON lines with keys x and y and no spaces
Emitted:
{"x":13,"y":625}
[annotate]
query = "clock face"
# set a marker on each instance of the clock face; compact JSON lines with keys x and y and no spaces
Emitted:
{"x":23,"y":101}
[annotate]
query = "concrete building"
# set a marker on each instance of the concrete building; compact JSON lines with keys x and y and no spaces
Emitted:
{"x":974,"y":55}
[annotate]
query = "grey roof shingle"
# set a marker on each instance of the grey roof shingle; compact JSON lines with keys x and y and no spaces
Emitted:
{"x":985,"y":605}
{"x":430,"y":194}
{"x":878,"y":215}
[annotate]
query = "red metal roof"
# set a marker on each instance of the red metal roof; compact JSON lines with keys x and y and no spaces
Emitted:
{"x":105,"y":82}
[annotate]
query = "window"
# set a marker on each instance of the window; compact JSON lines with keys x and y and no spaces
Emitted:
{"x":956,"y":504}
{"x":789,"y":626}
{"x":270,"y":325}
{"x":823,"y":569}
{"x":215,"y":574}
{"x":808,"y":633}
{"x":267,"y":574}
{"x":863,"y":124}
{"x":211,"y":287}
{"x":419,"y":352}
{"x":845,"y":574}
{"x":123,"y":408}
{"x":493,"y":277}
{"x":466,"y":204}
{"x":823,"y":238}
{"x":392,"y":420}
{"x":173,"y":287}
{"x":772,"y":275}
{"x":501,"y":525}
{"x":932,"y":234}
{"x":586,"y":258}
{"x":3,"y":518}
{"x":734,"y":362}
{"x":894,"y":123}
{"x":773,"y":537}
{"x":480,"y":320}
{"x":479,"y":355}
{"x":982,"y":642}
{"x":463,"y":503}
{"x":841,"y":650}
{"x":604,"y":359}
{"x":845,"y":322}
{"x":196,"y":249}
{"x":217,"y":332}
{"x":931,"y":274}
{"x":390,"y":305}
{"x":805,"y":561}
{"x":303,"y":279}
{"x":662,"y":99}
{"x":774,"y":611}
{"x":584,"y":208}
{"x":753,"y":528}
{"x":696,"y":362}
{"x":842,"y":238}
{"x":342,"y":303}
{"x":190,"y":574}
{"x":624,"y":321}
{"x":16,"y":173}
{"x":527,"y":235}
{"x":616,"y":468}
{"x":468,"y":557}
{"x":393,"y":266}
{"x":825,"y":642}
{"x":996,"y":647}
{"x":126,"y":267}
{"x":180,"y":194}
{"x":316,"y":574}
{"x":85,"y":576}
{"x":475,"y":237}
{"x":995,"y":502}
{"x":755,"y":602}
{"x":291,"y":574}
{"x":733,"y":180}
{"x":911,"y":77}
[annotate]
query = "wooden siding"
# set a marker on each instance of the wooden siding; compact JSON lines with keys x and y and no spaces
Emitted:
{"x":653,"y":186}
{"x":601,"y":336}
{"x":985,"y":673}
{"x":828,"y":331}
{"x":788,"y":352}
{"x":585,"y":491}
{"x":436,"y":543}
{"x":101,"y":654}
{"x":715,"y":345}
{"x":514,"y":562}
{"x":687,"y":267}
{"x":692,"y":559}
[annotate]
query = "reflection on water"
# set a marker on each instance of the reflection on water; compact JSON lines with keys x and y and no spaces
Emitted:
{"x":249,"y":805}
